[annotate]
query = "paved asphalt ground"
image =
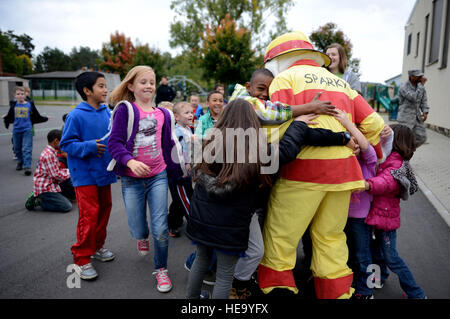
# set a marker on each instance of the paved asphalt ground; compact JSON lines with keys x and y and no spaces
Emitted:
{"x":35,"y":246}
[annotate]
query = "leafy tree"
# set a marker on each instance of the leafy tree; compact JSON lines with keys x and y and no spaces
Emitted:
{"x":118,"y":54}
{"x":252,"y":15}
{"x":188,"y":65}
{"x":22,"y":43}
{"x":52,"y":60}
{"x":328,"y":34}
{"x":153,"y":58}
{"x":84,"y":57}
{"x":14,"y":58}
{"x":226,"y":54}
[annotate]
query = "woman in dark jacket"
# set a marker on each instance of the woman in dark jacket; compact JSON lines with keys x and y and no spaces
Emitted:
{"x":227,"y":192}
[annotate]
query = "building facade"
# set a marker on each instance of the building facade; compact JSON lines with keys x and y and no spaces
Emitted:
{"x":427,"y":35}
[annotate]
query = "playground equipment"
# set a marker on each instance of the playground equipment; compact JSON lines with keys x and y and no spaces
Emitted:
{"x":378,"y":94}
{"x":186,"y":86}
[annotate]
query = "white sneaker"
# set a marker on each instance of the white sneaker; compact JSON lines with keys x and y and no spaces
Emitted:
{"x":103,"y":254}
{"x":86,"y":272}
{"x":143,"y":247}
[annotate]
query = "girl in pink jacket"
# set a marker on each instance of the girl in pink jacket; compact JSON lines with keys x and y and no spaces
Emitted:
{"x":394,"y":180}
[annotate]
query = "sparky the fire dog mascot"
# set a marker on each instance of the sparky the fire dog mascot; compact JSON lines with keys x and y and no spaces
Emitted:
{"x":315,"y":188}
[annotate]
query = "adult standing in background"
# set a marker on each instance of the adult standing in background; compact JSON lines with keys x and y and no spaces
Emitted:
{"x":413,"y":105}
{"x":339,"y":66}
{"x":164,"y":92}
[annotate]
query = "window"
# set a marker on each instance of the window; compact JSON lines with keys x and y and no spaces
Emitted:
{"x":438,"y":6}
{"x":446,"y":38}
{"x":417,"y":43}
{"x":408,"y":50}
{"x":425,"y":41}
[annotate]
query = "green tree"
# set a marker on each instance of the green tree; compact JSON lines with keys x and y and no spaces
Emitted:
{"x":254,"y":15}
{"x":84,"y":57}
{"x":22,"y":43}
{"x":52,"y":60}
{"x":118,"y":54}
{"x":15,"y":53}
{"x":153,"y":58}
{"x":328,"y":34}
{"x":188,"y":65}
{"x":226,"y":54}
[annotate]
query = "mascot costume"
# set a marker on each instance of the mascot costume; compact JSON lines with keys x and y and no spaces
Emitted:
{"x":315,"y":188}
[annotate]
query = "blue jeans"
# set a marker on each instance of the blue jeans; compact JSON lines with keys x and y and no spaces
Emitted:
{"x":387,"y":244}
{"x":54,"y":202}
{"x":23,"y":147}
{"x":137,"y":193}
{"x":358,"y":239}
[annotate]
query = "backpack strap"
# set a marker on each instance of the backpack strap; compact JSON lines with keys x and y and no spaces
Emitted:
{"x":130,"y":123}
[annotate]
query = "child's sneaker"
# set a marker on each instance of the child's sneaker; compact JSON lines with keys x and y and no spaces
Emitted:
{"x":27,"y":171}
{"x":163,"y":281}
{"x":86,"y":272}
{"x":19,"y":167}
{"x":143,"y":247}
{"x":104,"y":254}
{"x":204,"y":294}
{"x":31,"y":202}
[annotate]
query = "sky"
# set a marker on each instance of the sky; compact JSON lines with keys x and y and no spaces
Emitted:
{"x":375,"y":27}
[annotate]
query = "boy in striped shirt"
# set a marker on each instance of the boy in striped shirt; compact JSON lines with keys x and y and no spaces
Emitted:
{"x":256,"y":92}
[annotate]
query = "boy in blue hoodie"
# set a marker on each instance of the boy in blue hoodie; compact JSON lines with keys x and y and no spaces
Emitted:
{"x":84,"y":140}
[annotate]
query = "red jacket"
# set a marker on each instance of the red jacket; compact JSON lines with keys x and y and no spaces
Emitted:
{"x":385,"y":211}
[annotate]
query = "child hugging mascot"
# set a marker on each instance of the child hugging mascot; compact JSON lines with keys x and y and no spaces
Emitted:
{"x":315,"y":188}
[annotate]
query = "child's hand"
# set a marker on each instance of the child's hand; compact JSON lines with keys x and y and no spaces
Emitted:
{"x":366,"y":186}
{"x":352,"y":144}
{"x":342,"y":117}
{"x":138,"y":168}
{"x":307,"y":118}
{"x":386,"y":132}
{"x":322,"y":107}
{"x":100,"y":148}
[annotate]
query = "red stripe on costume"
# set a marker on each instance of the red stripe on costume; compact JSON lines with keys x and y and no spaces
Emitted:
{"x":323,"y":171}
{"x":364,"y":109}
{"x":332,"y":288}
{"x":288,"y":45}
{"x":378,"y":150}
{"x":305,"y":62}
{"x":268,"y":278}
{"x":338,"y":99}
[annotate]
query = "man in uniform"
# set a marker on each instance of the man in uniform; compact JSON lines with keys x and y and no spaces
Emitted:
{"x":413,"y":107}
{"x":315,"y":188}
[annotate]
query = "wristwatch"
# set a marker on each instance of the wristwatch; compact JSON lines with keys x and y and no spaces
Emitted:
{"x":347,"y":137}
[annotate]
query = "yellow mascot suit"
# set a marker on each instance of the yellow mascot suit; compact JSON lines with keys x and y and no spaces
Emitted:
{"x":315,"y":188}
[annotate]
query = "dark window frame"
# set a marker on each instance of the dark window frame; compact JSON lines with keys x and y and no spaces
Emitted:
{"x":436,"y":26}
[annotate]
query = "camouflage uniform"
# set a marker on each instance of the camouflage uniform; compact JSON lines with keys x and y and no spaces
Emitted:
{"x":412,"y":104}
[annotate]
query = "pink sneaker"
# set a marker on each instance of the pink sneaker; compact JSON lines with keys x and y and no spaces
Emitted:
{"x":143,"y":247}
{"x":163,"y":281}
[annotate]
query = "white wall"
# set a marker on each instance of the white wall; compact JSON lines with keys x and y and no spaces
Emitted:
{"x":438,"y":84}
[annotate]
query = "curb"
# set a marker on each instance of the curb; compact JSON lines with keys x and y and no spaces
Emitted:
{"x":434,"y":201}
